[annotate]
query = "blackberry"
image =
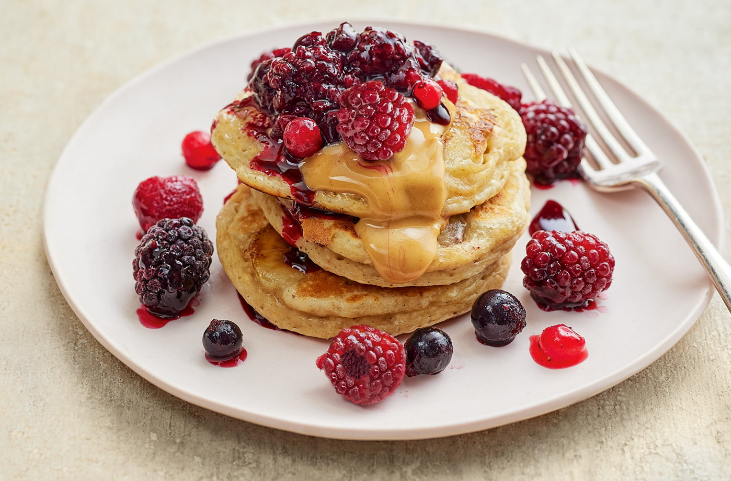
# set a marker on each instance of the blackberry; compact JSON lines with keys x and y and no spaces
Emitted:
{"x":566,"y":269}
{"x":555,"y":141}
{"x":171,"y":265}
{"x":498,"y":316}
{"x":429,"y":58}
{"x":379,"y":51}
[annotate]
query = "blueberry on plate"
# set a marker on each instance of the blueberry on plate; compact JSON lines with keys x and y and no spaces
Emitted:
{"x":222,"y":339}
{"x":498,"y":317}
{"x":428,"y":351}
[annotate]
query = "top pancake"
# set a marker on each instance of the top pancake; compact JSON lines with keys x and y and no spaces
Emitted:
{"x":484,"y":136}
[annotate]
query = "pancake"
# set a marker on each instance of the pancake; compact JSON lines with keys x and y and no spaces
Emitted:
{"x":468,"y":243}
{"x":318,"y":303}
{"x":484,"y":136}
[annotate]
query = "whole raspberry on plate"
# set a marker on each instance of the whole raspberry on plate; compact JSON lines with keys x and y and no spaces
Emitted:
{"x":509,"y":94}
{"x":566,"y":269}
{"x":555,"y":141}
{"x":374,"y":120}
{"x":171,"y":265}
{"x":167,"y":197}
{"x":363,"y":364}
{"x":198,"y":151}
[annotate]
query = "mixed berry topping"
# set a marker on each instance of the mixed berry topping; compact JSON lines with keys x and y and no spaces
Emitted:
{"x":374,"y":120}
{"x":566,"y":269}
{"x":498,"y":316}
{"x":428,"y":351}
{"x":302,"y":137}
{"x":308,"y":80}
{"x":158,"y":198}
{"x":509,"y":94}
{"x":364,"y":364}
{"x":558,"y":347}
{"x":171,"y":265}
{"x":222,"y":339}
{"x":198,"y":151}
{"x":555,"y":141}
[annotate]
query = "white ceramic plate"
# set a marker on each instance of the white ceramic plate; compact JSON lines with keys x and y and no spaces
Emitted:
{"x":659,"y":290}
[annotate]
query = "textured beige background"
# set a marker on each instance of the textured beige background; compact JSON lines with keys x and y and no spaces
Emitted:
{"x":70,"y":410}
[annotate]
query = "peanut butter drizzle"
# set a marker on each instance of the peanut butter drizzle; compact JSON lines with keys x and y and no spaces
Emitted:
{"x":405,"y":194}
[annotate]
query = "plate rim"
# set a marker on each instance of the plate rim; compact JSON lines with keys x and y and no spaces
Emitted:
{"x":565,"y":399}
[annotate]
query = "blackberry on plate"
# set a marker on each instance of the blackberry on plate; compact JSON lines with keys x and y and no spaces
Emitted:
{"x":363,"y":364}
{"x":555,"y":141}
{"x":498,"y":316}
{"x":171,"y":265}
{"x":222,"y":339}
{"x":566,"y":269}
{"x":428,"y":351}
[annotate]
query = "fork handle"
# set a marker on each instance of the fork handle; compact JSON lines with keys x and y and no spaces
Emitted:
{"x":712,"y":260}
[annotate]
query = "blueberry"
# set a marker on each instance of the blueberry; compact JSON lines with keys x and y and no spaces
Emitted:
{"x":222,"y":339}
{"x":498,"y":317}
{"x":428,"y":351}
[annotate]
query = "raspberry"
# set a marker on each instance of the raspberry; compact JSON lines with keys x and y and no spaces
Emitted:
{"x":302,"y":137}
{"x":364,"y":364}
{"x":379,"y":51}
{"x":509,"y":94}
{"x":171,"y":265}
{"x":566,"y":269}
{"x":375,"y":120}
{"x":167,"y":197}
{"x":555,"y":141}
{"x":428,"y":94}
{"x":198,"y":151}
{"x":450,"y":89}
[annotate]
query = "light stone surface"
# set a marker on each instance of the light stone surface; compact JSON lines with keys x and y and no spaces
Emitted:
{"x":70,"y":410}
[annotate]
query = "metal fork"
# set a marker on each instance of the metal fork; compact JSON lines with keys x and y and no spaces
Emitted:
{"x":639,"y":170}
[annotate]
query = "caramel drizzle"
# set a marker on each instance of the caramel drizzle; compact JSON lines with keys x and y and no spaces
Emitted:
{"x":405,"y":195}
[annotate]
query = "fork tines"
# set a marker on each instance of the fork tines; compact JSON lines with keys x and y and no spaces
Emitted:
{"x":641,"y":161}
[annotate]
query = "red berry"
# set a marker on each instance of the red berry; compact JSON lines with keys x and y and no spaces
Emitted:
{"x":561,"y":342}
{"x":428,"y":94}
{"x":555,"y":141}
{"x":302,"y":137}
{"x":566,"y":269}
{"x":364,"y":364}
{"x":198,"y":151}
{"x":374,"y":120}
{"x":450,"y":89}
{"x":167,"y":197}
{"x":509,"y":94}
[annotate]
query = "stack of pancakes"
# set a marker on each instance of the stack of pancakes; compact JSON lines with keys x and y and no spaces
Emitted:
{"x":484,"y":213}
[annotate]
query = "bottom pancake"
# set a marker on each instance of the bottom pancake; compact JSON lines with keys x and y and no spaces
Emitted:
{"x":301,"y":297}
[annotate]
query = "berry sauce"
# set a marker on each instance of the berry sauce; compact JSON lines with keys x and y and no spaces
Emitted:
{"x":255,"y":316}
{"x":292,"y":218}
{"x":558,"y":347}
{"x":151,"y":321}
{"x":297,"y":259}
{"x":225,"y":199}
{"x":553,"y":216}
{"x":274,"y":160}
{"x":232,"y":362}
{"x":589,"y":305}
